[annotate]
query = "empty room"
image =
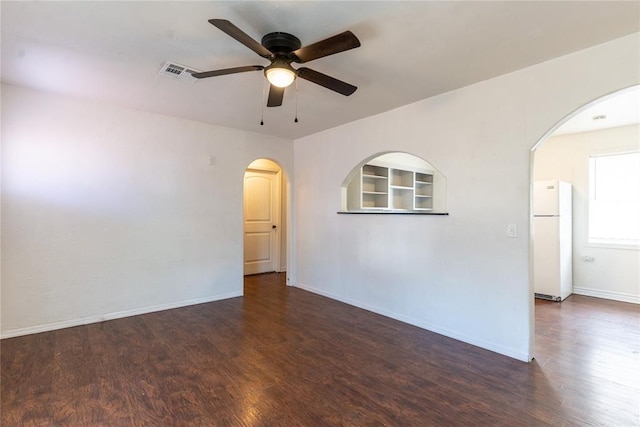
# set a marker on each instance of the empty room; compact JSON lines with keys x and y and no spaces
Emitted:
{"x":306,"y":213}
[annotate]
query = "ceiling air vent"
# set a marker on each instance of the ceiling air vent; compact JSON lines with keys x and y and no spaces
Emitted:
{"x":177,"y":71}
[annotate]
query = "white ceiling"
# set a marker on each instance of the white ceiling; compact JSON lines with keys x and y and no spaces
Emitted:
{"x":620,"y":109}
{"x":112,"y":52}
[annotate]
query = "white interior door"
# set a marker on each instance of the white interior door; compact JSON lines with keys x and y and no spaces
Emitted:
{"x":261,"y":221}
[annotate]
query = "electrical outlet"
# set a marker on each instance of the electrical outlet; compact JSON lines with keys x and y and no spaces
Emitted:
{"x":512,"y":230}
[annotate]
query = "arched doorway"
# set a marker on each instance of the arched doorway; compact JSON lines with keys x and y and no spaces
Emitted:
{"x":607,"y":126}
{"x":265,"y":225}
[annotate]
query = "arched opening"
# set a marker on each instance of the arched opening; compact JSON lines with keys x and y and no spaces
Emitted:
{"x":605,"y":128}
{"x":394,"y":182}
{"x":265,"y":208}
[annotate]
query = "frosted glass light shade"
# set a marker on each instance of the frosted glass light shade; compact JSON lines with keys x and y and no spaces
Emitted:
{"x":280,"y":77}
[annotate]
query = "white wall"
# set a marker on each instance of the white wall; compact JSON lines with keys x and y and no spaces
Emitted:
{"x":109,"y":212}
{"x":613,"y":273}
{"x":458,"y":275}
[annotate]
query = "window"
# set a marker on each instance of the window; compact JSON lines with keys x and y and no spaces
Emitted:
{"x":614,"y":199}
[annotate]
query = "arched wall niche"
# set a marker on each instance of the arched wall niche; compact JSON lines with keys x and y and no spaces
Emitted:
{"x":394,"y":182}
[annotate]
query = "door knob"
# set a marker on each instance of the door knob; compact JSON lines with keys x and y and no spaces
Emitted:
{"x":274,"y":226}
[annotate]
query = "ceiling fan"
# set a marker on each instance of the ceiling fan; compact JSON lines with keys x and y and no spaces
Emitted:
{"x":282,"y":49}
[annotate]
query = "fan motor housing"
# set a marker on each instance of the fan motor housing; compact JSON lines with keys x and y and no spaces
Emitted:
{"x":281,"y":43}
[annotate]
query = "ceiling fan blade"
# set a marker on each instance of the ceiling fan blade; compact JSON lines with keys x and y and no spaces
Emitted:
{"x":338,"y":43}
{"x":275,"y":96}
{"x":205,"y":74}
{"x":235,"y":32}
{"x":327,"y":81}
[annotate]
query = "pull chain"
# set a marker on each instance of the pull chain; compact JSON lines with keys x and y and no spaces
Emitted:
{"x":296,"y":119}
{"x":262,"y":105}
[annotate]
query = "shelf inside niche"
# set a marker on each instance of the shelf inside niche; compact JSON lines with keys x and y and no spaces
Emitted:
{"x":401,"y":178}
{"x":424,"y":178}
{"x":402,"y":198}
{"x":375,"y":200}
{"x":371,"y":171}
{"x":374,"y":185}
{"x":424,"y":190}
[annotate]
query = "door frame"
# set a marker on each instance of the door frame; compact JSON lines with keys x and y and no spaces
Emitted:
{"x":277,"y":209}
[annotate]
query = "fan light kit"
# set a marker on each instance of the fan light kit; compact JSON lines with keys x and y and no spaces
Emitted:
{"x":282,"y":49}
{"x":280,"y":75}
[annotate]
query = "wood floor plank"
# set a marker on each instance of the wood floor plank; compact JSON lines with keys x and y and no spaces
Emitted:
{"x":285,"y":357}
{"x":26,"y":387}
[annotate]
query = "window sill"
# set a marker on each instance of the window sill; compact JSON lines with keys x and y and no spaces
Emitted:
{"x":628,"y":247}
{"x":391,"y":212}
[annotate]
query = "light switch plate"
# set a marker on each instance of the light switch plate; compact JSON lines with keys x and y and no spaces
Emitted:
{"x":512,"y":230}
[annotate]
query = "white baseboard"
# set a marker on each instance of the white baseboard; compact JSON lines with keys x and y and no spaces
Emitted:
{"x":115,"y":315}
{"x":599,"y":293}
{"x":422,"y":324}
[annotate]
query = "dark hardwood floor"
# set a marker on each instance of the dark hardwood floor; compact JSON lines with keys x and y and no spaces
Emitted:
{"x":285,"y":357}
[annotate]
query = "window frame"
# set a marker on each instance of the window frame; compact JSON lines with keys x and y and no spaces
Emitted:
{"x":596,"y":242}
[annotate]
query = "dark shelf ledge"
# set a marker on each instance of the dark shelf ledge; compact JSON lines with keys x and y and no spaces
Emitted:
{"x":381,"y":212}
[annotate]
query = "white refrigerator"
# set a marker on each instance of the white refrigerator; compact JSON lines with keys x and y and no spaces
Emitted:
{"x":552,"y":248}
